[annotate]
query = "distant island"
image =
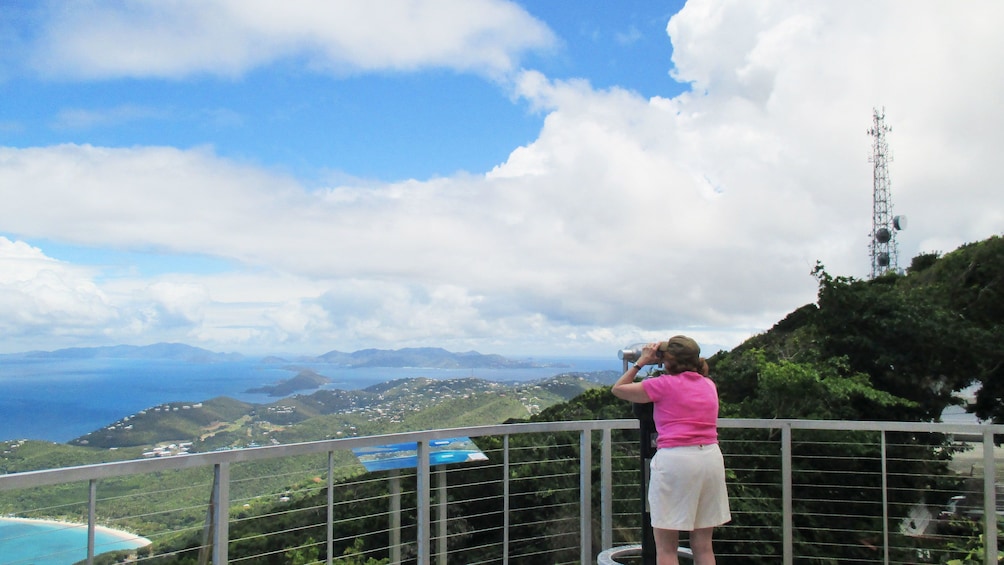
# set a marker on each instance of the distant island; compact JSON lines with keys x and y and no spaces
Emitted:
{"x":304,"y":380}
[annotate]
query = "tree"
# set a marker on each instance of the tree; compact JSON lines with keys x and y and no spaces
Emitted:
{"x":822,"y":391}
{"x":969,"y":283}
{"x":896,"y":335}
{"x":309,"y":552}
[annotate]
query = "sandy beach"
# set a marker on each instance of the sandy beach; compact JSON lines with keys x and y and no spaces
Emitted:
{"x":120,"y":535}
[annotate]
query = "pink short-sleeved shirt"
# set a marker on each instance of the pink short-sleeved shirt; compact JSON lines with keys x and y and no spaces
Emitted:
{"x":686,"y":409}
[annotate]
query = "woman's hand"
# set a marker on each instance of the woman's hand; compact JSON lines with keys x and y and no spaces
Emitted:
{"x":649,"y":355}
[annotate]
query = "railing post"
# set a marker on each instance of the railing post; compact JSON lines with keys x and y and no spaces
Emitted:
{"x":221,"y":511}
{"x":331,"y":505}
{"x":606,"y":492}
{"x":92,"y":501}
{"x":586,"y":496}
{"x":505,"y":499}
{"x":395,"y":517}
{"x":646,"y":451}
{"x":885,"y":502}
{"x":786,"y":494}
{"x":441,"y":547}
{"x":422,"y":490}
{"x":989,"y":498}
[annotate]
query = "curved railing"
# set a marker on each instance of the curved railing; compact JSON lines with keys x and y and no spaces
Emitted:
{"x":559,"y":492}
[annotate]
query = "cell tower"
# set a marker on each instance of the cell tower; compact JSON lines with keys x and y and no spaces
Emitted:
{"x":882,"y":248}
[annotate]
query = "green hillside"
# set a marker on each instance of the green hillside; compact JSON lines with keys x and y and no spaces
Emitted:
{"x":29,"y":455}
{"x":920,"y":337}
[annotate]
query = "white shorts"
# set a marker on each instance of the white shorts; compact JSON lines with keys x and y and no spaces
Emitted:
{"x":686,"y":488}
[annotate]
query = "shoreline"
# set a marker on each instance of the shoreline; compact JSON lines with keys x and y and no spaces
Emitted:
{"x":119,"y":535}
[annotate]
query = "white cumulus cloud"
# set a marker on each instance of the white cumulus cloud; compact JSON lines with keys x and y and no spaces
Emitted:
{"x":624,"y":219}
{"x":40,"y":295}
{"x":94,"y":39}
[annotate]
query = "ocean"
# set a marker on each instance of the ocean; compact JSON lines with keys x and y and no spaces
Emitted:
{"x":62,"y":399}
{"x":37,"y":542}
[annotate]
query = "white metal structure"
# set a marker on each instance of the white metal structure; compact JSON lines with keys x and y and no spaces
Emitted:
{"x":580,"y":474}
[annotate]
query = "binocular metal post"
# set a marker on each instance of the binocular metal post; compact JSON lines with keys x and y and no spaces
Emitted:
{"x":648,"y":436}
{"x":647,"y":450}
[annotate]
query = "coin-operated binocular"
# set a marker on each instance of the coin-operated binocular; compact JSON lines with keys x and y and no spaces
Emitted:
{"x":648,"y":437}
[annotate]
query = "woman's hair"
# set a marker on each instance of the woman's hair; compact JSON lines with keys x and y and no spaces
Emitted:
{"x":675,"y":366}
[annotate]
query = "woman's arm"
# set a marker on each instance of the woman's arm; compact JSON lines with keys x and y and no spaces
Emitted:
{"x":625,"y":387}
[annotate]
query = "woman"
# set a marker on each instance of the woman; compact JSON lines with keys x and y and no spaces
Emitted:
{"x":686,"y":490}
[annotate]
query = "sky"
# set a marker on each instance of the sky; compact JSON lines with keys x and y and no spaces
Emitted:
{"x":517,"y":177}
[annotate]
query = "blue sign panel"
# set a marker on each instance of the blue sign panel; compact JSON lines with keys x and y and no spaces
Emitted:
{"x":405,"y":455}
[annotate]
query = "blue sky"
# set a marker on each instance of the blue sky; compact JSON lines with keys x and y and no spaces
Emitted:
{"x":384,"y":125}
{"x":510,"y":177}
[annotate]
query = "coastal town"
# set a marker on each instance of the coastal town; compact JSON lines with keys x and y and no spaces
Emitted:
{"x":179,"y":428}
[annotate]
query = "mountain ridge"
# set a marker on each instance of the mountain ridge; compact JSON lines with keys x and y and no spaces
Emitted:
{"x":410,"y":357}
{"x":164,"y":350}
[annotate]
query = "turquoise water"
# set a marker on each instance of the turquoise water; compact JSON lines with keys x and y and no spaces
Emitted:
{"x":38,"y":543}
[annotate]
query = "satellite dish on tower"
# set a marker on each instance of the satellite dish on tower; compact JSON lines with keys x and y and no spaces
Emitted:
{"x":883,"y":235}
{"x":899,"y":222}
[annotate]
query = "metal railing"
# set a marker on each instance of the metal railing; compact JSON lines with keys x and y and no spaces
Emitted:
{"x":561,"y":492}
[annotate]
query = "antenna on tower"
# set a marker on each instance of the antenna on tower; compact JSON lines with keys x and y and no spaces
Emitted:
{"x":882,"y":248}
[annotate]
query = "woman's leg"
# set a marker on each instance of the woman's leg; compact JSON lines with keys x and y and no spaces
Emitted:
{"x":666,"y":544}
{"x":700,"y":544}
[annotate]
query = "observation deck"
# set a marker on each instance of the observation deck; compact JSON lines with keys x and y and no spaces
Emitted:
{"x":561,"y":492}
